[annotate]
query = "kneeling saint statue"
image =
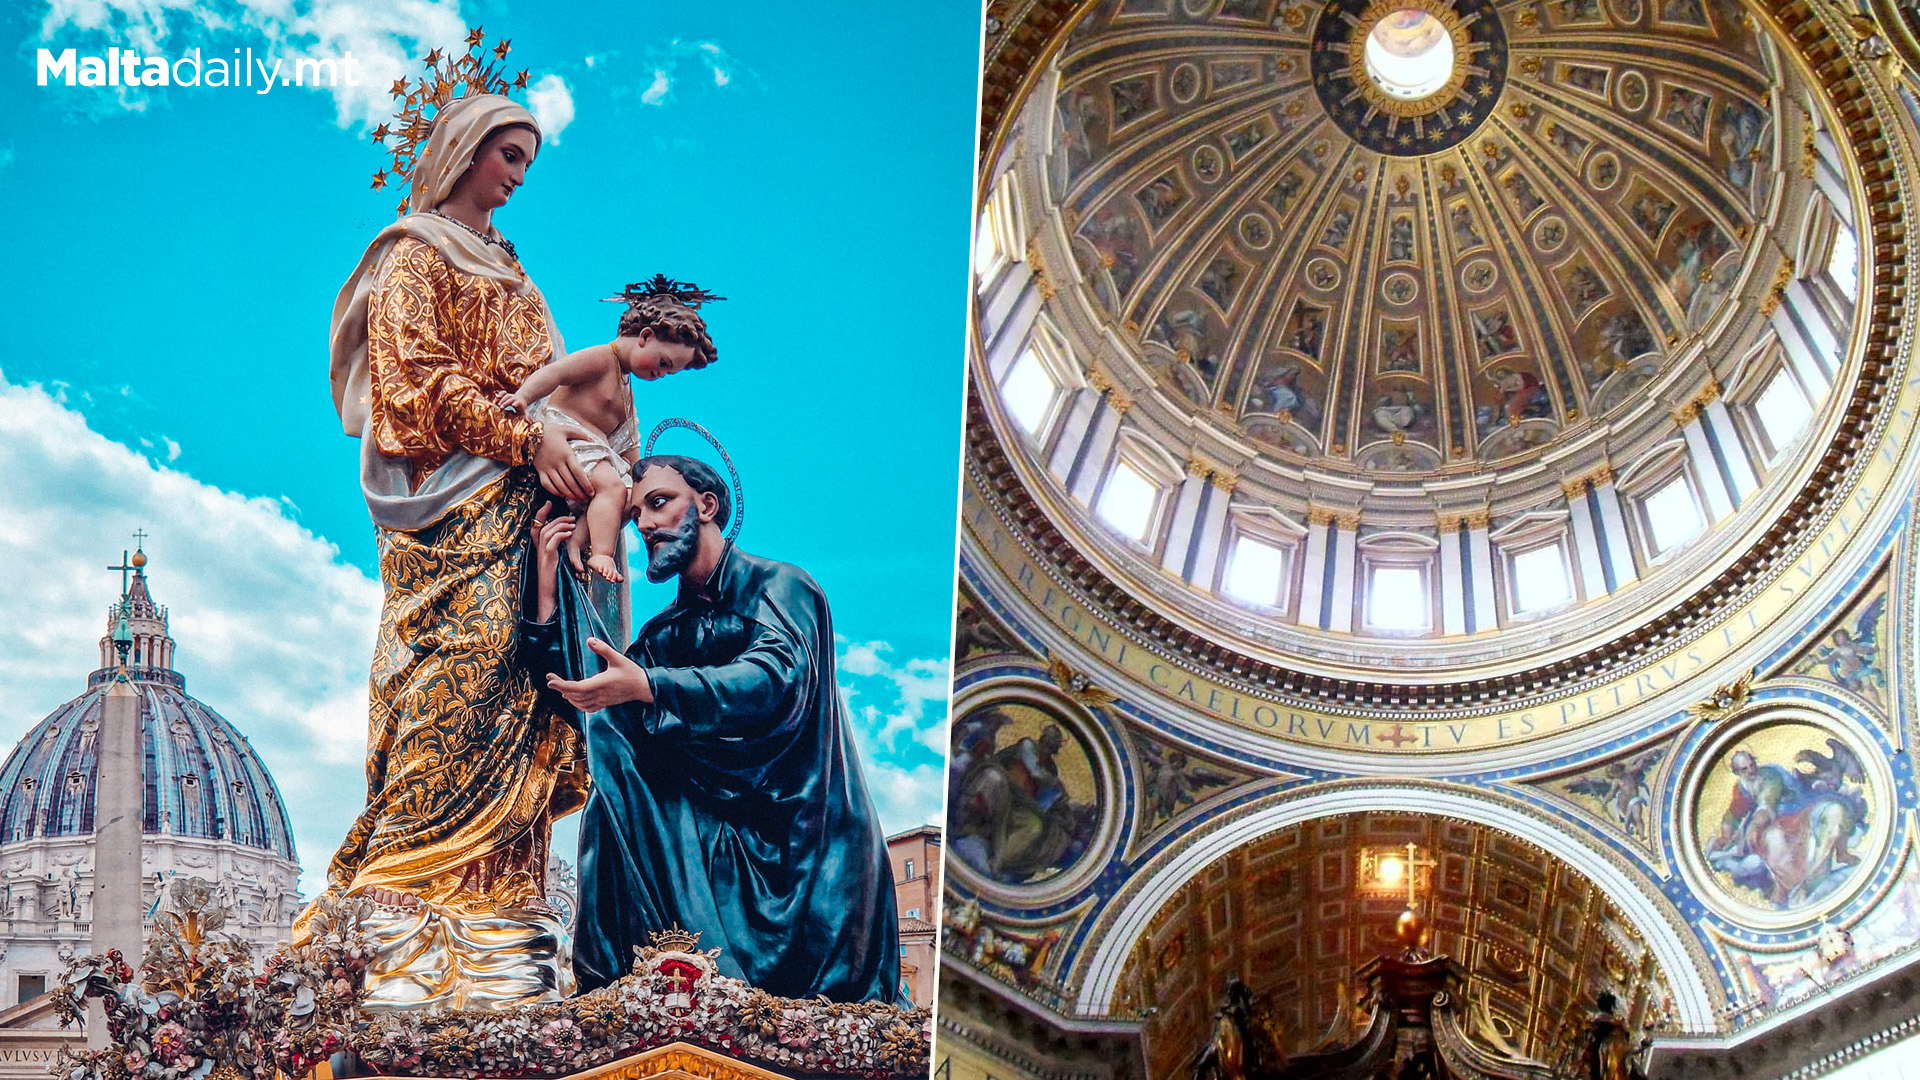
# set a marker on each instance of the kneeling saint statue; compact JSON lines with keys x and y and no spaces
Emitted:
{"x":727,"y":795}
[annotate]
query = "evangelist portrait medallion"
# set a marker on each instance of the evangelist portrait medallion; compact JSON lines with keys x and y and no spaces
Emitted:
{"x":1025,"y":803}
{"x":1788,"y":816}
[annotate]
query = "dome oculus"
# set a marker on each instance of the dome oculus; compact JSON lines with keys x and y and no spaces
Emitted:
{"x":1409,"y":54}
{"x":1408,"y":78}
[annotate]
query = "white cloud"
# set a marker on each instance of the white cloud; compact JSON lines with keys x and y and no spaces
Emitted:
{"x":902,"y":739}
{"x":678,"y":58}
{"x":907,"y":798}
{"x":656,"y":91}
{"x":275,"y":631}
{"x":550,"y":100}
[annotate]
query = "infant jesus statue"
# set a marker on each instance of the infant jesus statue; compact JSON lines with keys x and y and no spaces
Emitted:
{"x":586,"y":397}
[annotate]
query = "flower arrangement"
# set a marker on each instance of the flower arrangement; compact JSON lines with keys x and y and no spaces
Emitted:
{"x":190,"y":1015}
{"x":199,"y":1012}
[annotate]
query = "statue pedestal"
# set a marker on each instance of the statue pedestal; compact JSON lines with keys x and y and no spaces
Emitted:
{"x":674,"y":1061}
{"x":676,"y":1015}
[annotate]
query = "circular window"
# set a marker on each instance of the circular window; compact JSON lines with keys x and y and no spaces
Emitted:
{"x":1410,"y":54}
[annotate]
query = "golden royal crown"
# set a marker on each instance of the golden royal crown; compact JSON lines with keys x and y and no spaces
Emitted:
{"x":674,"y":939}
{"x":448,"y":77}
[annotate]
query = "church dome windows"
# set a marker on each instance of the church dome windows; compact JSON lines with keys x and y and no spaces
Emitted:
{"x":1256,"y":572}
{"x":1781,"y":412}
{"x":1843,"y":262}
{"x":1539,"y":578}
{"x":1128,"y":501}
{"x":1397,"y":583}
{"x":1030,"y":391}
{"x":1672,"y":516}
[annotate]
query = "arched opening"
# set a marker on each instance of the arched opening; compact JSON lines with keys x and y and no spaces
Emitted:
{"x":1675,"y":957}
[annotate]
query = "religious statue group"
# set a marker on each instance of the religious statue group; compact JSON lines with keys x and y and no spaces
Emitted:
{"x":711,"y":760}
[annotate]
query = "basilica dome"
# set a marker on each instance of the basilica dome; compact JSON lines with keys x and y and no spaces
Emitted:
{"x":203,"y":779}
{"x":1435,"y":433}
{"x":1445,"y":337}
{"x":1401,"y":287}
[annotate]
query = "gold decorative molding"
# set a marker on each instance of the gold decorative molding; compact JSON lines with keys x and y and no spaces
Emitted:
{"x":1777,"y":293}
{"x":1348,"y":522}
{"x":1200,"y":468}
{"x":1725,"y":701}
{"x":1319,"y":516}
{"x":1039,"y":267}
{"x":1448,"y":522}
{"x":1690,"y":411}
{"x":1078,"y":686}
{"x":1099,"y":380}
{"x":1479,"y":520}
{"x":676,"y":1060}
{"x":1574,"y":488}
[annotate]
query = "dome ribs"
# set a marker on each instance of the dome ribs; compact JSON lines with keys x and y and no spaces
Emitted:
{"x":1861,"y":402}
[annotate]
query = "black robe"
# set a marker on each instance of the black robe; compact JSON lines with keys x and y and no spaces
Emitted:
{"x":734,"y":804}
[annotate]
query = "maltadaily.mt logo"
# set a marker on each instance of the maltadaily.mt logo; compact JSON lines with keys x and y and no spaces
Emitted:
{"x":124,"y":67}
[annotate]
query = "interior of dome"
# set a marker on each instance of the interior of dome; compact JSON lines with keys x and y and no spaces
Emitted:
{"x":1518,"y":460}
{"x":1538,"y":321}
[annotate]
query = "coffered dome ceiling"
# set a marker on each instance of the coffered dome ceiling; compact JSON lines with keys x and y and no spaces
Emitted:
{"x":1411,"y":238}
{"x":1433,"y":351}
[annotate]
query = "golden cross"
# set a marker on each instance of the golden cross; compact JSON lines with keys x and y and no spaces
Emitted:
{"x":1415,"y":862}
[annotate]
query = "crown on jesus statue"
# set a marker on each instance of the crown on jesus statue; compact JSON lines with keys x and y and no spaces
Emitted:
{"x":684,"y":293}
{"x":448,"y":76}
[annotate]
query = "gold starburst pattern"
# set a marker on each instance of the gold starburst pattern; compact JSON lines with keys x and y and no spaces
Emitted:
{"x":447,"y":76}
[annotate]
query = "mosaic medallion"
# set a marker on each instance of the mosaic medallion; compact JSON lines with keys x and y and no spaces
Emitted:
{"x":1024,"y":792}
{"x":1785,"y":818}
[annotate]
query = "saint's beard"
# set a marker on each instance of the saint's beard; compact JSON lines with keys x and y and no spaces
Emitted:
{"x":671,"y":550}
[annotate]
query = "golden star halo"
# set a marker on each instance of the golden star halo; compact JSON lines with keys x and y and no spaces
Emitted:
{"x":448,"y":76}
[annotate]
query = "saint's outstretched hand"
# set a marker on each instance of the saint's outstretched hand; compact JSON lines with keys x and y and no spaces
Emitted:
{"x":623,"y":681}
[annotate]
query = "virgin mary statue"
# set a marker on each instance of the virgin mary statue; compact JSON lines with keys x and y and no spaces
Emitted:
{"x":465,"y":769}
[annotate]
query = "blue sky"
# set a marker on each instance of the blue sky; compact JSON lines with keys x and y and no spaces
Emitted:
{"x":175,"y":257}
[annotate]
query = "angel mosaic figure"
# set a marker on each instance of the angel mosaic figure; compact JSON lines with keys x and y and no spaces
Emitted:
{"x":1174,"y":782}
{"x":1623,"y":789}
{"x":1852,"y":656}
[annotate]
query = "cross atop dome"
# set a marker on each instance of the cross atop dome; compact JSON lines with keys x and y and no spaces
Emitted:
{"x":151,"y":653}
